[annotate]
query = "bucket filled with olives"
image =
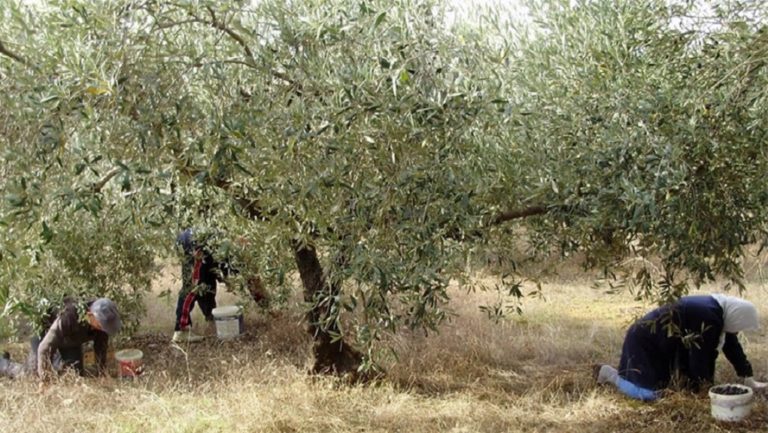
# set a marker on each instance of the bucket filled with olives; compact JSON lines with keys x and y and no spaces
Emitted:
{"x":731,"y":401}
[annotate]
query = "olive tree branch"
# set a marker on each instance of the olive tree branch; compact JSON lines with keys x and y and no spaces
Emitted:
{"x":231,"y":33}
{"x":8,"y":53}
{"x":99,"y":185}
{"x":217,"y":24}
{"x":514,"y":214}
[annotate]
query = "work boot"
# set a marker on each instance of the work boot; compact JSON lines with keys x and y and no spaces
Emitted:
{"x":186,"y":336}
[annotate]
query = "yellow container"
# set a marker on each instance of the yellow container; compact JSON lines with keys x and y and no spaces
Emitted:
{"x":89,"y":359}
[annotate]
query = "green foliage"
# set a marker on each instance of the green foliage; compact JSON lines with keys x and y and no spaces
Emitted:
{"x":382,"y":136}
{"x":648,"y":137}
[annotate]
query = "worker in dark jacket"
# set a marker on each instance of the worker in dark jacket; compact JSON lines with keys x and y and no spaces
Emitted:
{"x":685,"y":338}
{"x":199,"y":275}
{"x":63,"y":336}
{"x":68,"y":332}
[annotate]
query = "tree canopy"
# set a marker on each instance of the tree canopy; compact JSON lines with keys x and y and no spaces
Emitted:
{"x":375,"y":146}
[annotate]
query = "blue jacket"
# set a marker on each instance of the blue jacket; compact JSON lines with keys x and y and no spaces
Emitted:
{"x":682,"y":337}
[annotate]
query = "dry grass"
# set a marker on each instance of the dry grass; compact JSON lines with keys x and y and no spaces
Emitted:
{"x":528,"y":374}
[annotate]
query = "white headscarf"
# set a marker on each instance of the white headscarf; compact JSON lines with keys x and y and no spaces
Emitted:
{"x":738,"y":314}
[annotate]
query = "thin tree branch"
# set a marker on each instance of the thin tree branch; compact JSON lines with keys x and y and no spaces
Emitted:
{"x":237,"y":38}
{"x":8,"y":53}
{"x":218,"y":25}
{"x":97,"y":186}
{"x":519,"y":213}
{"x":171,"y":24}
{"x":215,"y":23}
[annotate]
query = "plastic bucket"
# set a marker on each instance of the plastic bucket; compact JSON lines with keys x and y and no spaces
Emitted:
{"x":130,"y":363}
{"x":733,"y":407}
{"x":229,"y":321}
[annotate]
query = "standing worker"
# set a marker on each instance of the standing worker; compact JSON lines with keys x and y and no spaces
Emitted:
{"x":684,"y":338}
{"x":199,"y":275}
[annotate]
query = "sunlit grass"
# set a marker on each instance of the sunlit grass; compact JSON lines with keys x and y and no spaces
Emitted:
{"x":527,"y":373}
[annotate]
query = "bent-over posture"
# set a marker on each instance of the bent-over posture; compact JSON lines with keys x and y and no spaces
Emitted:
{"x":684,"y":338}
{"x":63,"y":337}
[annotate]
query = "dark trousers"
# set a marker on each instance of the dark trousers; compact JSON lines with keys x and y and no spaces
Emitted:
{"x":186,"y":302}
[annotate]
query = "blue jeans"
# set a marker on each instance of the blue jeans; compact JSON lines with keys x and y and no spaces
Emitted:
{"x":637,"y":392}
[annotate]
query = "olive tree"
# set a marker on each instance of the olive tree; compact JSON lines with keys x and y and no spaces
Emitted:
{"x":647,"y":122}
{"x":372,"y":147}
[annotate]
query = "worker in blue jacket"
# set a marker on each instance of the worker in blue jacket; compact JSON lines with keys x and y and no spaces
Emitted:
{"x":684,"y":338}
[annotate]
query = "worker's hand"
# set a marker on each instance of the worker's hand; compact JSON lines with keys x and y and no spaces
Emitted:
{"x":755,"y":385}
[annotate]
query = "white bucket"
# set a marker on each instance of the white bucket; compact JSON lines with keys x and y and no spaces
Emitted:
{"x":229,"y":321}
{"x":731,"y":407}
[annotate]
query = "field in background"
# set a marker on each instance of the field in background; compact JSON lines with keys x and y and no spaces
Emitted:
{"x":530,"y":373}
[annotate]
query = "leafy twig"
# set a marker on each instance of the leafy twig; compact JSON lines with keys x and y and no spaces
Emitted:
{"x":8,"y":53}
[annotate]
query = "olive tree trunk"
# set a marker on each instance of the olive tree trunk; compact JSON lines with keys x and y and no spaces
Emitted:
{"x":331,"y":357}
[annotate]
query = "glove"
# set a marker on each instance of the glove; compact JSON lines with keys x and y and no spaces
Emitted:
{"x":755,"y":385}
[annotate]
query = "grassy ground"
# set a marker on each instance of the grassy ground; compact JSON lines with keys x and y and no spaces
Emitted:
{"x":527,"y":374}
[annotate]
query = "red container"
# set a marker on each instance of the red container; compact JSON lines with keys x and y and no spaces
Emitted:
{"x":130,"y":363}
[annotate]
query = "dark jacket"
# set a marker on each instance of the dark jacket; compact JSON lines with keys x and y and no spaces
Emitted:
{"x":68,"y":331}
{"x":198,"y":256}
{"x":682,"y":337}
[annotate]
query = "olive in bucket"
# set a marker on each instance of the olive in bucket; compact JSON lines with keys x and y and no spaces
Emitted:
{"x":731,"y":401}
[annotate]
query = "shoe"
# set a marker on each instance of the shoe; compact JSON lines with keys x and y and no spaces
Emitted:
{"x":185,"y":337}
{"x":596,"y":372}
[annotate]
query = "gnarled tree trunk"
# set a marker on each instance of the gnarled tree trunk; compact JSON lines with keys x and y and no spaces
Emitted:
{"x":331,"y":357}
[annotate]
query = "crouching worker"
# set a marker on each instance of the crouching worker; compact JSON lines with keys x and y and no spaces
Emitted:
{"x":63,"y":336}
{"x":683,"y":339}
